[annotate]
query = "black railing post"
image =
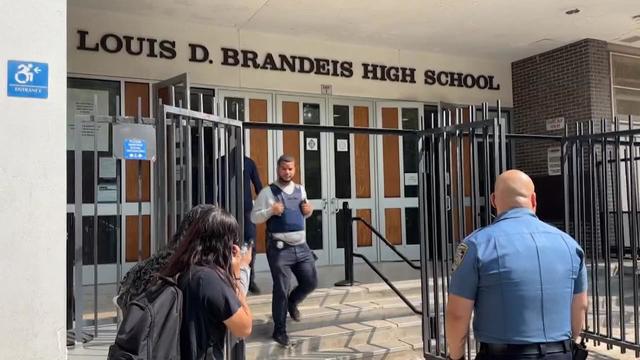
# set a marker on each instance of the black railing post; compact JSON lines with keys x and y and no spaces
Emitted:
{"x":347,"y":235}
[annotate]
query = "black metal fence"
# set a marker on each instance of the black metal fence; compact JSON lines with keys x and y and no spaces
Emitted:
{"x":460,"y":156}
{"x":179,"y":173}
{"x":600,"y":165}
{"x":460,"y":159}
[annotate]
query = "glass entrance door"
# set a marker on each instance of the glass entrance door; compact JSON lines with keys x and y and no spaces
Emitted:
{"x":309,"y":148}
{"x":398,"y":173}
{"x":258,"y":144}
{"x":352,"y":177}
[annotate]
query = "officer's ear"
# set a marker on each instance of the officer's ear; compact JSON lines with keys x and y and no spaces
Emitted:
{"x":534,"y":202}
{"x":493,"y":200}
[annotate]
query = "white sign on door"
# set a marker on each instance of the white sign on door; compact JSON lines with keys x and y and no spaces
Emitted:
{"x":342,"y":145}
{"x":312,"y":144}
{"x":411,"y":179}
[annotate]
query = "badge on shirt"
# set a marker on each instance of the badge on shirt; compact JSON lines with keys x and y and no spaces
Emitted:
{"x":461,"y":251}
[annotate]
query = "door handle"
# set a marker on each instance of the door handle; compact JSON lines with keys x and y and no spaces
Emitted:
{"x":334,"y":205}
{"x":324,"y":204}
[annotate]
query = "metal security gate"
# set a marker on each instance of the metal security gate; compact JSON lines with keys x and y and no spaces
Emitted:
{"x":602,"y":194}
{"x":183,"y":175}
{"x":460,"y":157}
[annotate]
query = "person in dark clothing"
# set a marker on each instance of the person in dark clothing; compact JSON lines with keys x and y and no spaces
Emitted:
{"x":208,"y":262}
{"x":251,"y":176}
{"x":142,"y":275}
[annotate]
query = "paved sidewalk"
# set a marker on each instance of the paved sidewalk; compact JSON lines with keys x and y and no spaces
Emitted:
{"x":601,"y":353}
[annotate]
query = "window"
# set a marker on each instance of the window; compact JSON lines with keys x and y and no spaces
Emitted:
{"x":204,"y":96}
{"x":86,"y":96}
{"x":625,"y":74}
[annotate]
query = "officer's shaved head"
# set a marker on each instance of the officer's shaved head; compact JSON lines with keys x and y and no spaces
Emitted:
{"x":514,"y":189}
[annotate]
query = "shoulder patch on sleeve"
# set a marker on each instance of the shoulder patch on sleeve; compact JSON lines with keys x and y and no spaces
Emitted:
{"x":461,"y":251}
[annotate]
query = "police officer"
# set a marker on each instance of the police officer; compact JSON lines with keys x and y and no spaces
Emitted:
{"x":284,"y":206}
{"x":525,"y":280}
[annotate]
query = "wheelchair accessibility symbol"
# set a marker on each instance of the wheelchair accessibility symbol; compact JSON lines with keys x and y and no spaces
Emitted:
{"x":27,"y":79}
{"x":25,"y":73}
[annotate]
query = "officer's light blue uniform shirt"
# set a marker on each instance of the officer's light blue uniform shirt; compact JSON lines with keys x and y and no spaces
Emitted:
{"x":522,"y":275}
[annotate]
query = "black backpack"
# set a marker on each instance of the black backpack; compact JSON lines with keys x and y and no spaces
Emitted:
{"x":150,"y":328}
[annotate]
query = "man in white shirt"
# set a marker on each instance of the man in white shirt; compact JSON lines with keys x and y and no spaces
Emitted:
{"x":284,"y":207}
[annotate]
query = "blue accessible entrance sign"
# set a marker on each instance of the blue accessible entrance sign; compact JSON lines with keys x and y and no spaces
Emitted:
{"x":135,"y":149}
{"x":27,"y":79}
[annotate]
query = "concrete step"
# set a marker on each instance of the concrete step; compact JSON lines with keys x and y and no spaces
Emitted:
{"x":346,"y":335}
{"x":377,"y":309}
{"x":390,"y":349}
{"x":342,"y":295}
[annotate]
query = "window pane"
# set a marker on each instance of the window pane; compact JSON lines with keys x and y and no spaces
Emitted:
{"x":107,"y":237}
{"x":412,"y":224}
{"x":410,"y":118}
{"x":312,"y":149}
{"x":342,"y":150}
{"x":340,"y":115}
{"x":81,"y":97}
{"x":430,"y":116}
{"x":111,"y":90}
{"x":311,"y":114}
{"x":627,"y":103}
{"x":626,"y":71}
{"x":234,"y":108}
{"x":207,"y":99}
{"x":312,"y":168}
{"x":314,"y":230}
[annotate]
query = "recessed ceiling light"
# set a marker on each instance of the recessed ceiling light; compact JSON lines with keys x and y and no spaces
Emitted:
{"x":572,"y":11}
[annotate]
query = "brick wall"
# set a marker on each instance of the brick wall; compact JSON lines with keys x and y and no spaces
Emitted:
{"x":572,"y":81}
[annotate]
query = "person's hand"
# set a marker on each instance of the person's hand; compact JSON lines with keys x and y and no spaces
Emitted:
{"x":306,"y":208}
{"x":239,"y":260}
{"x":277,"y":208}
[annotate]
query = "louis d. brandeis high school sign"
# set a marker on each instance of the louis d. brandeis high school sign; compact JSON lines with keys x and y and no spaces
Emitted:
{"x":166,"y":49}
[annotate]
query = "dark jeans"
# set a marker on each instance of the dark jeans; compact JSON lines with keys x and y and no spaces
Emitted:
{"x":283,"y":262}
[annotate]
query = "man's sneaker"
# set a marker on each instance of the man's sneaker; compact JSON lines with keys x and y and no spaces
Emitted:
{"x":294,"y":312}
{"x":253,"y":288}
{"x":282,"y":339}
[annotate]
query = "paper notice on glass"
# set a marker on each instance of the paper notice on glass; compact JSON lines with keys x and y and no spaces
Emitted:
{"x":107,"y":193}
{"x":312,"y":144}
{"x":82,"y":102}
{"x":554,"y":162}
{"x":107,"y":168}
{"x":410,"y":179}
{"x":343,"y":145}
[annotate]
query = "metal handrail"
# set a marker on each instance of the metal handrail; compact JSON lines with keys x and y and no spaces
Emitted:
{"x":389,"y":283}
{"x":384,"y":240}
{"x":349,"y":254}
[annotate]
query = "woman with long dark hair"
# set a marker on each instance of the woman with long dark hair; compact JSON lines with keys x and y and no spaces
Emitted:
{"x":207,"y":262}
{"x":143,"y":274}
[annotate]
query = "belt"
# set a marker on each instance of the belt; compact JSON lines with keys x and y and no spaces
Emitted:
{"x":526,"y":349}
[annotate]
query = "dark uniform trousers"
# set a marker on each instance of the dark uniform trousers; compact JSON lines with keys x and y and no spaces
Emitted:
{"x":299,"y":260}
